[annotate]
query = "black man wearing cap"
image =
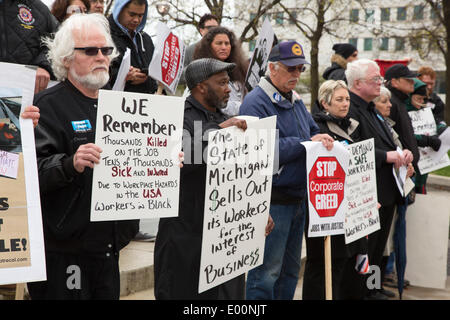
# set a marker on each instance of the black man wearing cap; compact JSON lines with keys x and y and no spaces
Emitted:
{"x":179,"y":239}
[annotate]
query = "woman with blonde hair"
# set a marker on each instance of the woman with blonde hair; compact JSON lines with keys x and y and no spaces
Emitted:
{"x":334,"y":103}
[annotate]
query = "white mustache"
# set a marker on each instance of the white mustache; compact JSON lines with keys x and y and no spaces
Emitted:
{"x":100,"y":67}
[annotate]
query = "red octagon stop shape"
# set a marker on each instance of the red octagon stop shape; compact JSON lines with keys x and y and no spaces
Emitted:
{"x":326,"y":186}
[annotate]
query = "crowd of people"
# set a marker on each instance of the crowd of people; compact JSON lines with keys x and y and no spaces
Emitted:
{"x":84,"y":51}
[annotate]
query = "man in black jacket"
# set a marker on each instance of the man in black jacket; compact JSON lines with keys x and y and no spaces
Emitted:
{"x":82,"y":257}
{"x":399,"y":80}
{"x":179,"y":240}
{"x":127,"y":24}
{"x":428,"y":75}
{"x":22,"y":25}
{"x":364,"y":81}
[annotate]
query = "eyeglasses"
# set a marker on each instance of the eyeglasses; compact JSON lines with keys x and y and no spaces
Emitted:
{"x":75,"y":9}
{"x":374,"y":79}
{"x":93,"y":51}
{"x":299,"y":68}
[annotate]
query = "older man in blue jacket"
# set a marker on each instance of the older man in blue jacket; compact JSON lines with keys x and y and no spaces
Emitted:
{"x":277,"y":277}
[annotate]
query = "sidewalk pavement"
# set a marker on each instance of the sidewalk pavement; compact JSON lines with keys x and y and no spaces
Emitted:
{"x":136,"y":264}
{"x":137,"y":278}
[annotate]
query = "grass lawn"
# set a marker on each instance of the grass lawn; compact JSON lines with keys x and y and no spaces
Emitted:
{"x":444,"y":171}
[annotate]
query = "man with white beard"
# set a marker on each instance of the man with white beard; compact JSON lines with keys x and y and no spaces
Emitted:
{"x":81,"y":256}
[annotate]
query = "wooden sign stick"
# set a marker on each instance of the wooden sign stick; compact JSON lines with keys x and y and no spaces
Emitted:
{"x":160,"y":88}
{"x":328,"y":276}
{"x":20,"y":289}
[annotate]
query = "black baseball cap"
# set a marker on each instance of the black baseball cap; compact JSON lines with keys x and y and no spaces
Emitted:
{"x":399,"y":71}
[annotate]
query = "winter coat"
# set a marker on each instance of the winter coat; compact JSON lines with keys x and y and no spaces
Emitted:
{"x":295,"y":125}
{"x":141,"y":46}
{"x":66,"y":193}
{"x":337,"y":69}
{"x":179,"y":240}
{"x":371,"y":127}
{"x":403,"y":125}
{"x":23,"y":23}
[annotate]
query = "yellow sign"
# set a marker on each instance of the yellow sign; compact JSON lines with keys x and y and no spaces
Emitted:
{"x":297,"y":50}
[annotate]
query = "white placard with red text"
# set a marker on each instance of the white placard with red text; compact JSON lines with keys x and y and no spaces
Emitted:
{"x":138,"y":174}
{"x":168,"y":59}
{"x":326,"y":173}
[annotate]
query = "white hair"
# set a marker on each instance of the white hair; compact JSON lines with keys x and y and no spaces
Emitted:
{"x":275,"y":64}
{"x":61,"y":47}
{"x":383,"y":92}
{"x":358,"y":70}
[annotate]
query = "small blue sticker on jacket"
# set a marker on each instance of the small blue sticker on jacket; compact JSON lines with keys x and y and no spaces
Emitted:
{"x":81,"y":126}
{"x":277,"y":97}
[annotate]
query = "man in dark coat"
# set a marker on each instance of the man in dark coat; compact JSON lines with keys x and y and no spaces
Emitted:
{"x":23,"y":23}
{"x":364,"y":81}
{"x":127,"y":24}
{"x":179,"y":240}
{"x":400,"y":81}
{"x":428,"y":75}
{"x":82,"y":257}
{"x":344,"y":53}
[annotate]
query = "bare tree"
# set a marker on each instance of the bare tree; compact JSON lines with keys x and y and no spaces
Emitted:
{"x":314,"y":19}
{"x":187,"y":13}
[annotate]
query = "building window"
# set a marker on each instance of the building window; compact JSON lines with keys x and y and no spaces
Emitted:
{"x":251,"y":45}
{"x":399,"y":44}
{"x":252,"y":16}
{"x":418,"y":12}
{"x":370,"y":15}
{"x":279,"y":18}
{"x":367,"y":44}
{"x":384,"y":45}
{"x":293,"y":17}
{"x":385,"y":14}
{"x":433,"y":14}
{"x":354,"y":15}
{"x":266,"y":16}
{"x":353,"y":41}
{"x":401,"y":14}
{"x":415,"y":43}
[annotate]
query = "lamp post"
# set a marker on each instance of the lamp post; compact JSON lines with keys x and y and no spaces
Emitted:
{"x":163,"y":9}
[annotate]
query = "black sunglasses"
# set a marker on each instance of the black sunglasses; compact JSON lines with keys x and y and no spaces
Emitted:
{"x":299,"y":68}
{"x":93,"y":51}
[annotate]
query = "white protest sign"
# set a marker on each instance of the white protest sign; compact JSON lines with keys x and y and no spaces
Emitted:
{"x":124,"y":68}
{"x":423,"y":123}
{"x":326,"y":171}
{"x":168,"y":59}
{"x":445,"y":144}
{"x":258,"y":64}
{"x":237,"y":200}
{"x":9,"y":164}
{"x":400,"y":175}
{"x":361,"y":217}
{"x":138,"y":175}
{"x":22,"y":254}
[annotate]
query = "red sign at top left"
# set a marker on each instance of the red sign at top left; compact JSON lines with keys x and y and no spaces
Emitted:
{"x":170,"y":60}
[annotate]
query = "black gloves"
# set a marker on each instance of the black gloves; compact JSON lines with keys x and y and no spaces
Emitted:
{"x":429,"y":141}
{"x":434,"y":142}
